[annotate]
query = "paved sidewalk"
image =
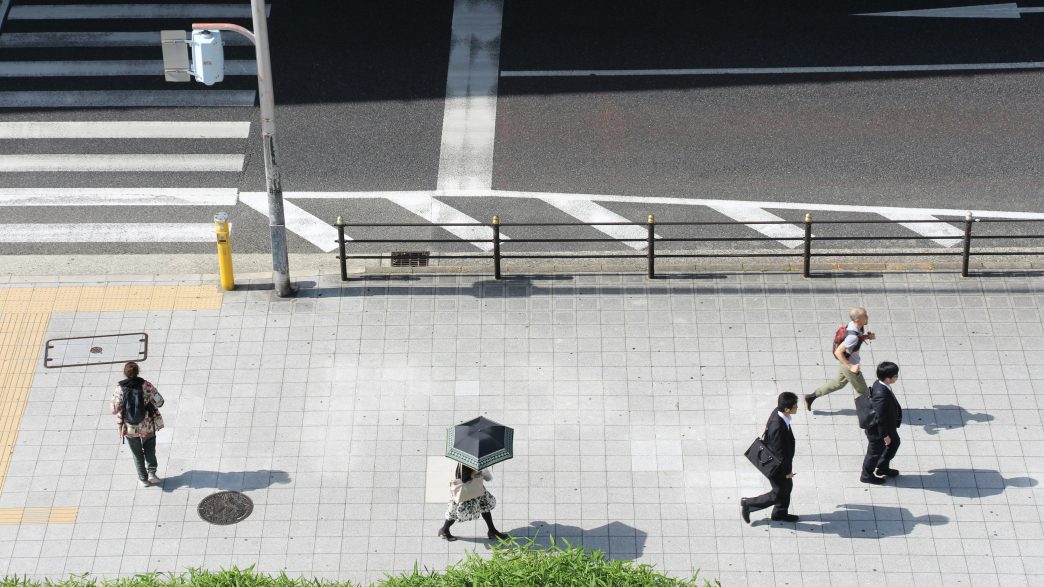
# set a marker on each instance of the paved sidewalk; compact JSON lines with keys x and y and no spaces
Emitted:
{"x":632,"y":403}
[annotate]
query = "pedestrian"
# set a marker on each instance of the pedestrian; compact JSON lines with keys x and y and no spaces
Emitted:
{"x":136,"y":404}
{"x":883,"y":437}
{"x":779,"y":438}
{"x":847,"y":354}
{"x":471,"y":509}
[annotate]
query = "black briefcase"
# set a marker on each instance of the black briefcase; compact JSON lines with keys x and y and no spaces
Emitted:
{"x":762,"y":457}
{"x":865,"y":411}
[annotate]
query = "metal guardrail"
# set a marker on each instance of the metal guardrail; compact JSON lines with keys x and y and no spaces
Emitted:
{"x":496,"y":256}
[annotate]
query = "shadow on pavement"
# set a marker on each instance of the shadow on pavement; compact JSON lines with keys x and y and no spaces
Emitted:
{"x":232,"y":481}
{"x":616,"y":539}
{"x":865,"y":521}
{"x":970,"y":483}
{"x":942,"y":417}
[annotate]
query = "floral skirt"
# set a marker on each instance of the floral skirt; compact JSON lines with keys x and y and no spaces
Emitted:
{"x":471,"y":509}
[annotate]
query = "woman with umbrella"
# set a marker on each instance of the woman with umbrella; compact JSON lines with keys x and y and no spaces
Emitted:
{"x":475,"y":444}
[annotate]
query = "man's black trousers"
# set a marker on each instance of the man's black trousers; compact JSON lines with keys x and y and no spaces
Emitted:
{"x":778,"y":496}
{"x":879,"y":456}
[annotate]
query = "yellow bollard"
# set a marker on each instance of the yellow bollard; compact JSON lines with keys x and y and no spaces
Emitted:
{"x":224,"y":250}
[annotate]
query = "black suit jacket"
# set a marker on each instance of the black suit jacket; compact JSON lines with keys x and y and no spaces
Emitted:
{"x":889,"y":412}
{"x":780,"y":440}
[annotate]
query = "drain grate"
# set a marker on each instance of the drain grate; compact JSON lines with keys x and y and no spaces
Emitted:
{"x":410,"y":258}
{"x":225,"y":507}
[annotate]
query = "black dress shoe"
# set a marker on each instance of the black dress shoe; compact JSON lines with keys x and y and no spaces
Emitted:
{"x":891,"y":473}
{"x":809,"y":398}
{"x":785,"y":518}
{"x":872,"y":479}
{"x":497,"y":535}
{"x":744,"y":510}
{"x":445,"y":535}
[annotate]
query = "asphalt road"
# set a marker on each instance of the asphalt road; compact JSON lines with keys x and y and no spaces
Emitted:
{"x":360,"y":91}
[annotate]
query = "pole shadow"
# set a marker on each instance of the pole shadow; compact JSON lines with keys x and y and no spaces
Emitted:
{"x":231,"y":481}
{"x":616,"y":539}
{"x":968,"y":483}
{"x":865,"y":521}
{"x":942,"y":417}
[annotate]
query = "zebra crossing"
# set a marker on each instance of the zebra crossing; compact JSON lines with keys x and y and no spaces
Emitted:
{"x":104,"y":55}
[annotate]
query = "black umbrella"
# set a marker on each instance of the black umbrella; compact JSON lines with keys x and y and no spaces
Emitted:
{"x":479,"y":443}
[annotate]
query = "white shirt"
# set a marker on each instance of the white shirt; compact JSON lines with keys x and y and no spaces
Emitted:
{"x":785,"y":417}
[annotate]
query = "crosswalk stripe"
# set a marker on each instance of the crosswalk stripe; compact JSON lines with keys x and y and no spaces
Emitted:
{"x":51,"y":39}
{"x":588,"y":211}
{"x":107,"y":233}
{"x":119,"y":11}
{"x":105,"y":68}
{"x":932,"y":230}
{"x":125,"y":129}
{"x":744,"y":213}
{"x":319,"y":233}
{"x":438,"y":212}
{"x":118,"y":196}
{"x":123,"y":162}
{"x":126,"y":98}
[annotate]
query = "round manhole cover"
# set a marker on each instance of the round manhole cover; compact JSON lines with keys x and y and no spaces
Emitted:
{"x":225,"y":507}
{"x":96,"y":350}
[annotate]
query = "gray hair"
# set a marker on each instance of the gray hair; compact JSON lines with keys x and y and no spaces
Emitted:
{"x":857,"y":314}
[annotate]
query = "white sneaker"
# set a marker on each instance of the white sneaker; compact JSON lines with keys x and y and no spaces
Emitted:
{"x":153,"y":479}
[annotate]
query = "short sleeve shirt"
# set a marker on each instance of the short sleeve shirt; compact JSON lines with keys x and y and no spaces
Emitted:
{"x":850,"y":342}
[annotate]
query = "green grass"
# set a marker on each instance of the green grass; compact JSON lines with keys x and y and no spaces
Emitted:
{"x":517,"y":564}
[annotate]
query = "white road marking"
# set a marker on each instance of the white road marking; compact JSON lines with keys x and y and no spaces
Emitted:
{"x":219,"y":162}
{"x":741,"y":212}
{"x":49,"y":39}
{"x":319,"y":233}
{"x":588,"y":211}
{"x":125,"y":129}
{"x":437,"y":212}
{"x":933,"y":230}
{"x":774,"y":70}
{"x":1009,"y":10}
{"x":470,"y":115}
{"x":126,"y":98}
{"x":118,"y":196}
{"x":89,"y":232}
{"x":118,"y":11}
{"x":105,"y":68}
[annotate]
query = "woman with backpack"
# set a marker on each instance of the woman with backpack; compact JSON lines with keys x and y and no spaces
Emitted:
{"x":136,"y":404}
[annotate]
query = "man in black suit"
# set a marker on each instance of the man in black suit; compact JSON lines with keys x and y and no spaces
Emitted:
{"x":780,"y":440}
{"x":883,"y":437}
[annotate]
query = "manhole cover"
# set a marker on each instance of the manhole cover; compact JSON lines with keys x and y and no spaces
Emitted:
{"x":97,"y":350}
{"x":225,"y":507}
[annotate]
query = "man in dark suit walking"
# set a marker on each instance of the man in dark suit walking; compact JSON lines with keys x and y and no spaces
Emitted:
{"x":883,"y":437}
{"x":780,"y":440}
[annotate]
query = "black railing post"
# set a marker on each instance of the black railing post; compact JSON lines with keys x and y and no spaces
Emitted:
{"x":808,"y":246}
{"x":496,"y":246}
{"x":342,"y":253}
{"x":652,"y":246}
{"x":966,"y":256}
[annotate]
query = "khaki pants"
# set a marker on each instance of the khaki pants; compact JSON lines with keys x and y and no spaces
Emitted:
{"x":844,"y":377}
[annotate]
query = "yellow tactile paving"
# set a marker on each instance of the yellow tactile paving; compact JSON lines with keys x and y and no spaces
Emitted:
{"x":60,"y":515}
{"x":24,"y":314}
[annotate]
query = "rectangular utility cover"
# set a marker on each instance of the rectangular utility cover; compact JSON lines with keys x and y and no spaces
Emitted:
{"x":96,"y":350}
{"x":175,"y":56}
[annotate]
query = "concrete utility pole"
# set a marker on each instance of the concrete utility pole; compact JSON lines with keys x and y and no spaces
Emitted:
{"x":273,"y":183}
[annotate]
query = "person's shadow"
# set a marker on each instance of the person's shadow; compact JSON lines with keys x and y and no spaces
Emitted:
{"x":865,"y":521}
{"x":969,"y":483}
{"x":942,"y":417}
{"x":231,"y":481}
{"x":616,"y":539}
